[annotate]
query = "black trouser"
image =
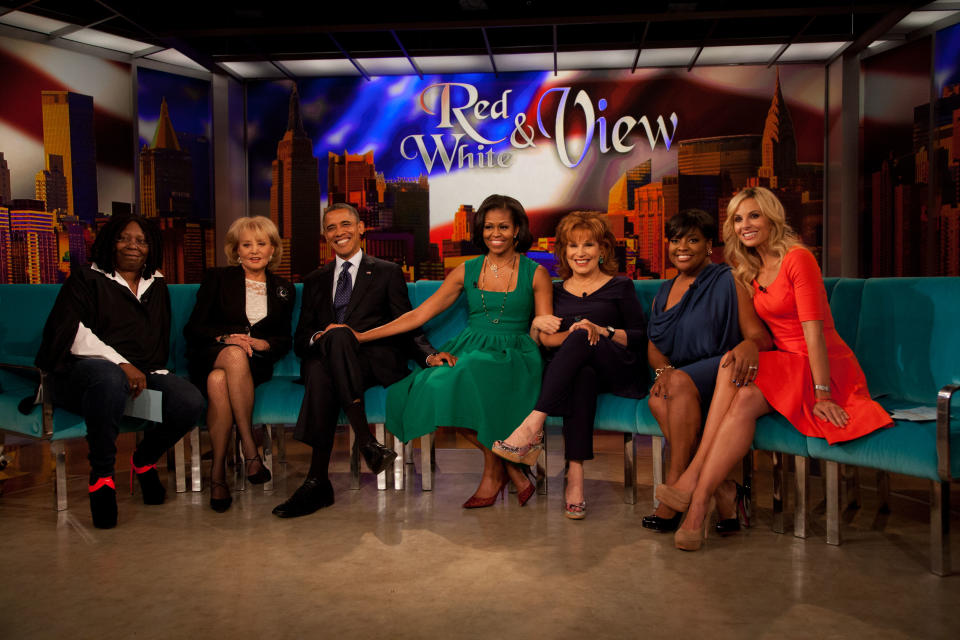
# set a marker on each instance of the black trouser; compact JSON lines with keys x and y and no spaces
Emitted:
{"x":335,"y":374}
{"x":574,"y":377}
{"x":98,"y":390}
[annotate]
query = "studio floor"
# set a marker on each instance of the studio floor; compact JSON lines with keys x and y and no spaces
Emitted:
{"x":413,"y":564}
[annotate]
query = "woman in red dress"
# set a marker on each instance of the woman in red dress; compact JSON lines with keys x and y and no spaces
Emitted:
{"x":812,"y":379}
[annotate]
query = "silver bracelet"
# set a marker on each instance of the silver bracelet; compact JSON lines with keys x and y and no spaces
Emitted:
{"x":822,"y":387}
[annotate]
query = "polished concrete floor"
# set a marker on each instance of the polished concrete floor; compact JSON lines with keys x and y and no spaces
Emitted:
{"x":412,"y":564}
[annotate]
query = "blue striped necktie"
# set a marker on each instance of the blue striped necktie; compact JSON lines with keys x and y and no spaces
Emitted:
{"x":342,"y":296}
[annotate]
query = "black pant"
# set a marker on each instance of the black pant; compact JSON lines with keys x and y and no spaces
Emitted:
{"x":98,"y":390}
{"x":574,"y":377}
{"x":335,"y":374}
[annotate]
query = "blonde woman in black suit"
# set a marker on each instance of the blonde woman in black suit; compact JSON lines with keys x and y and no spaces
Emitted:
{"x":239,"y":328}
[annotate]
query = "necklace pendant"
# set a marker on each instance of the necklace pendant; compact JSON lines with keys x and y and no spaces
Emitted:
{"x":495,"y":321}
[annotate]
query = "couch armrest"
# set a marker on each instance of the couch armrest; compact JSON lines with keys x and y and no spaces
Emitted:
{"x":944,"y":396}
{"x":46,"y":404}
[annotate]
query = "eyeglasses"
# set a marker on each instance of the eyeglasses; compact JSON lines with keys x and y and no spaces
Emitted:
{"x":139,"y":241}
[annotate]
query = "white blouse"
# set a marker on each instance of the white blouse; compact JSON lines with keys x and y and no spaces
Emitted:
{"x":256,"y":301}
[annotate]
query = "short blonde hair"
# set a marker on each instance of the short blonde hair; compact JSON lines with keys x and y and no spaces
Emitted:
{"x":596,"y":226}
{"x":259,"y":225}
{"x":744,"y":260}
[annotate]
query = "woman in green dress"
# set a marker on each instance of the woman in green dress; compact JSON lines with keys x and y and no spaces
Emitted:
{"x":487,"y":379}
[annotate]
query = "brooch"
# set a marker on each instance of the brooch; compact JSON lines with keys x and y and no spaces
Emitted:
{"x":282,"y":293}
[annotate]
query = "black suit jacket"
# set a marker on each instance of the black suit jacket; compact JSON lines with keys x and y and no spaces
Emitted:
{"x":379,"y":295}
{"x":222,"y":308}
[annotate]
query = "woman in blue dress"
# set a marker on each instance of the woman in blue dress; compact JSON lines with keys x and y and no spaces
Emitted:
{"x":700,"y":322}
{"x":487,"y":378}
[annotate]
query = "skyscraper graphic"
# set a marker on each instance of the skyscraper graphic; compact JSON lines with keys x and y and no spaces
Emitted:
{"x":463,"y":223}
{"x":34,"y":258}
{"x":295,"y":197}
{"x":51,"y":185}
{"x":5,"y":246}
{"x":779,"y":142}
{"x":622,"y":191}
{"x":5,"y":194}
{"x":68,"y":132}
{"x":166,"y":173}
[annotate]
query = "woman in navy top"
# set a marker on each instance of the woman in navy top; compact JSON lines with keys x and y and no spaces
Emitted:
{"x":598,"y":333}
{"x":697,"y":324}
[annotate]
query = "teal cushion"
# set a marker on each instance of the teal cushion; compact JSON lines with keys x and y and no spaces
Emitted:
{"x":908,"y":343}
{"x":845,"y":307}
{"x":906,"y":447}
{"x":279,"y":400}
{"x":774,"y":433}
{"x":446,"y":325}
{"x":183,"y":297}
{"x":646,"y":423}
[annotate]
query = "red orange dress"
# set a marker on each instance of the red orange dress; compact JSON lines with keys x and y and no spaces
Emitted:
{"x":797,"y":295}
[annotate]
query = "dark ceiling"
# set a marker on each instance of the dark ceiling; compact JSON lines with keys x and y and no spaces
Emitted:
{"x":210,"y":32}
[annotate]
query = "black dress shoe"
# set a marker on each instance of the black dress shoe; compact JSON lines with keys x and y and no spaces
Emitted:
{"x":661,"y":525}
{"x":378,"y":457}
{"x":728,"y":526}
{"x":313,"y":494}
{"x":220,"y":504}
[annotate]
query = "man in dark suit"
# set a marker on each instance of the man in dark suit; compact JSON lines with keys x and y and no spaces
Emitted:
{"x":363,"y":292}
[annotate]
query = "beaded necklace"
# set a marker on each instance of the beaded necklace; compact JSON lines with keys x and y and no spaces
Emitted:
{"x":483,"y":300}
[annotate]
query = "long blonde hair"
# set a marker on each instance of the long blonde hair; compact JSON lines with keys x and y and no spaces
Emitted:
{"x":745,"y":261}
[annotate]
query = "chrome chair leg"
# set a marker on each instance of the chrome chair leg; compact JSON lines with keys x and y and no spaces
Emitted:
{"x":833,"y":502}
{"x":656,"y":446}
{"x":59,"y":452}
{"x":630,"y":468}
{"x":747,"y":471}
{"x":850,"y":487}
{"x":179,"y":465}
{"x":940,"y":562}
{"x":802,"y":482}
{"x":281,"y":443}
{"x":399,"y":466}
{"x":382,"y":438}
{"x":408,"y":452}
{"x":196,"y":479}
{"x":883,"y":491}
{"x":239,"y":462}
{"x":427,"y":458}
{"x":268,"y":455}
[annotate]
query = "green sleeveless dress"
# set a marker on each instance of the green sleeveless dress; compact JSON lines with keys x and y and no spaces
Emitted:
{"x":496,"y":380}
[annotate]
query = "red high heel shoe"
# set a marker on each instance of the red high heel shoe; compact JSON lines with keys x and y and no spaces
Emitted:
{"x":476,"y":502}
{"x":526,"y":494}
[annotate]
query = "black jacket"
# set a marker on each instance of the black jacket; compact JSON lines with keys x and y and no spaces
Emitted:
{"x":222,"y":308}
{"x":379,"y":295}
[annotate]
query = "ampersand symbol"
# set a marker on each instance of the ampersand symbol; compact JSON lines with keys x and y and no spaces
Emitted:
{"x":526,"y":134}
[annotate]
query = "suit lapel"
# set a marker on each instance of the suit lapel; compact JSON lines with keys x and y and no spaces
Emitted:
{"x":326,"y":290}
{"x":360,"y":285}
{"x":235,"y":281}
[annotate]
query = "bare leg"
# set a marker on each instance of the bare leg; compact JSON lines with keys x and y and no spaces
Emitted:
{"x":219,"y":422}
{"x":733,"y":438}
{"x":723,"y":394}
{"x":528,"y":430}
{"x":679,"y":420}
{"x":236,"y":367}
{"x":493,"y":467}
{"x":574,"y":493}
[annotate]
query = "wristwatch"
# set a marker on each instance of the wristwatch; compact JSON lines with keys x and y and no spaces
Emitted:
{"x":610,"y":332}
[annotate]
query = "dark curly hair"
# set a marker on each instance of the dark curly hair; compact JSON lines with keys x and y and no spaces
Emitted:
{"x":105,"y":245}
{"x":524,"y":239}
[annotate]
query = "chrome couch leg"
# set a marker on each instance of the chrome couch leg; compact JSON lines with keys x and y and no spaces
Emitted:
{"x":801,"y":491}
{"x":399,"y":466}
{"x":940,"y":562}
{"x":833,"y":503}
{"x":541,"y":470}
{"x":656,"y":445}
{"x":408,"y":452}
{"x":779,"y":489}
{"x":180,"y":465}
{"x":426,"y":461}
{"x":883,"y":491}
{"x":59,"y":452}
{"x":388,"y":443}
{"x":630,"y":468}
{"x":268,"y":455}
{"x":196,"y":479}
{"x":354,"y":461}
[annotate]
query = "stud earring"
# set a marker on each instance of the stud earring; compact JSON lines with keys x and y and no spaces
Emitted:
{"x":601,"y":259}
{"x":710,"y":252}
